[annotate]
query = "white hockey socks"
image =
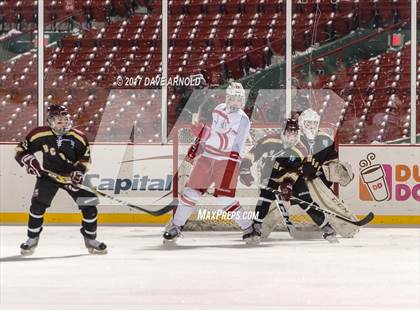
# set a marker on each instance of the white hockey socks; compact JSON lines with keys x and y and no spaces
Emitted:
{"x":186,"y":206}
{"x":232,"y":205}
{"x":182,"y":214}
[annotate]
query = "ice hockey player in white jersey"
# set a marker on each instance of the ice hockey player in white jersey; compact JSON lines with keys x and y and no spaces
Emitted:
{"x":217,"y":153}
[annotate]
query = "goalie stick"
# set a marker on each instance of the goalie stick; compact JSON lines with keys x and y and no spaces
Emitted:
{"x":367,"y":219}
{"x":66,"y":180}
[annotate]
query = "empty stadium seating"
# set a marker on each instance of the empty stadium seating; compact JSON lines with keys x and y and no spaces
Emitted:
{"x":221,"y":39}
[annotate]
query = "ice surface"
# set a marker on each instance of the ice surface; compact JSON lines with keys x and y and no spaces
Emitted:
{"x":379,"y":269}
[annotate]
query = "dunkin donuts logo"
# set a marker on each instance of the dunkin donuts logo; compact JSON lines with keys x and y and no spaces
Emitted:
{"x":379,"y":182}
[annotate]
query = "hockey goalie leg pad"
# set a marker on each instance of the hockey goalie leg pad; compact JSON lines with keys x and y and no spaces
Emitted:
{"x":305,"y":201}
{"x":89,"y":221}
{"x":272,"y":219}
{"x":36,"y":218}
{"x":230,"y":204}
{"x":327,"y":200}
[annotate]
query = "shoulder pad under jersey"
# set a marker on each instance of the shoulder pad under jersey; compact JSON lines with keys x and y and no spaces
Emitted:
{"x":39,"y":132}
{"x":326,"y":132}
{"x":78,"y":135}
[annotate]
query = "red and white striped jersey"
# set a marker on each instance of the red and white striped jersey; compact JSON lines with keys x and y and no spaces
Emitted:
{"x":228,"y":134}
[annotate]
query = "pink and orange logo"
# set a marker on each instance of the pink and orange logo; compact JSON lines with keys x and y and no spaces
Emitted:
{"x":375,"y":180}
{"x":378,"y":182}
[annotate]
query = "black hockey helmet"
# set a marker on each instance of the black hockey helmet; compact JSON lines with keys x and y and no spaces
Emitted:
{"x":290,"y":134}
{"x":58,"y":118}
{"x":292,"y":125}
{"x":55,"y":110}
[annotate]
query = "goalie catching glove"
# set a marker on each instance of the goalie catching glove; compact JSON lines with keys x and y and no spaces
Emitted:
{"x":338,"y":172}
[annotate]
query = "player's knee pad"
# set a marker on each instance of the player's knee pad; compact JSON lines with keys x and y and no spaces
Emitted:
{"x":190,"y":196}
{"x":266,"y":194}
{"x":304,"y":194}
{"x":89,"y":213}
{"x":40,"y":202}
{"x":37,"y":208}
{"x":317,"y":216}
{"x":261,"y":210}
{"x":304,"y":202}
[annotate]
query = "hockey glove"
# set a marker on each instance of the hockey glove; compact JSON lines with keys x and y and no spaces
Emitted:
{"x":286,"y":188}
{"x":76,"y":179}
{"x":193,"y":151}
{"x":310,"y":169}
{"x":200,"y":131}
{"x":71,"y":187}
{"x":31,"y":164}
{"x":246,"y":177}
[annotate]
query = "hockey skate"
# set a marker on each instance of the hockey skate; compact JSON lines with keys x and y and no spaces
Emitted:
{"x":171,"y":234}
{"x":329,"y":234}
{"x":28,"y":247}
{"x":252,"y":234}
{"x":95,"y":247}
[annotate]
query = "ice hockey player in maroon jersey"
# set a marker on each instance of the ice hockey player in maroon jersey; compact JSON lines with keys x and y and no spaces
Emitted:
{"x":65,"y":152}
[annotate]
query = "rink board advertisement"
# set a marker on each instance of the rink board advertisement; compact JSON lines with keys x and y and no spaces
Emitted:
{"x":387,"y":182}
{"x":138,"y":174}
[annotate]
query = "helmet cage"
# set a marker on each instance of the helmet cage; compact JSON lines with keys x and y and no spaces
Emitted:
{"x":290,"y":137}
{"x":235,"y":97}
{"x":59,"y":120}
{"x":309,"y":123}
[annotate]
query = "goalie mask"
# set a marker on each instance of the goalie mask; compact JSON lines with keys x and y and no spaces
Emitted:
{"x":290,"y":134}
{"x":235,"y":97}
{"x":309,"y":123}
{"x":58,"y":119}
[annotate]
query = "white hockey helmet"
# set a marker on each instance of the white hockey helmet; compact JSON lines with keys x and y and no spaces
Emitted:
{"x":235,"y":96}
{"x":309,"y":123}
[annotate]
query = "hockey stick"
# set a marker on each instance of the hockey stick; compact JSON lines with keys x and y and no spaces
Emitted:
{"x":294,"y":232}
{"x":66,"y":181}
{"x":367,"y":219}
{"x":285,"y":214}
{"x":182,"y":167}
